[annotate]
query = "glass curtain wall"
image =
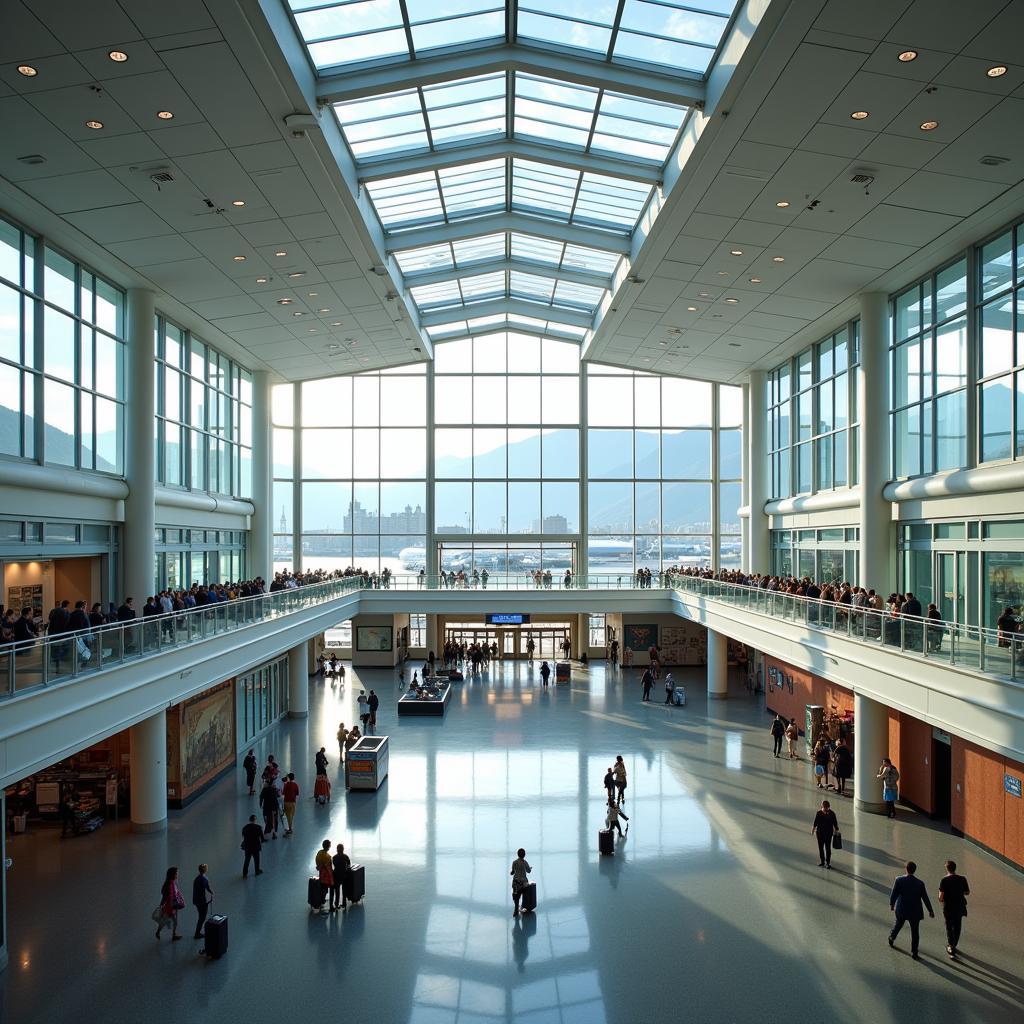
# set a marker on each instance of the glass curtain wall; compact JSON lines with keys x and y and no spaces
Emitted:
{"x":813,"y":434}
{"x":61,"y":358}
{"x":363,"y":471}
{"x":203,"y":430}
{"x":282,"y":415}
{"x":929,"y":374}
{"x":1000,"y":317}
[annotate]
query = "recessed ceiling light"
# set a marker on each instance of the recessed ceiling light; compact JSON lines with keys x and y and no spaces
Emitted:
{"x":238,"y":259}
{"x":907,"y":56}
{"x":297,"y":273}
{"x":723,"y":273}
{"x":734,"y":344}
{"x":994,"y":72}
{"x":118,"y":56}
{"x":859,"y":115}
{"x":928,"y":126}
{"x":778,"y":259}
{"x":755,"y":280}
{"x":704,"y":295}
{"x":280,"y":252}
{"x":164,"y":115}
{"x":782,"y":204}
{"x":297,"y":312}
{"x":27,"y":70}
{"x":95,"y":125}
{"x":691,"y":309}
{"x":312,"y":330}
{"x":238,"y":202}
{"x":261,"y":280}
{"x":325,"y":310}
{"x":332,"y":347}
{"x":735,"y":252}
{"x":284,"y":302}
{"x":664,"y":344}
{"x":312,"y":295}
{"x":337,"y":323}
{"x":733,"y":301}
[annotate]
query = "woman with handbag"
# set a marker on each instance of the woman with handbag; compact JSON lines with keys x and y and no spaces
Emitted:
{"x":171,"y":901}
{"x":826,"y":831}
{"x":822,"y":757}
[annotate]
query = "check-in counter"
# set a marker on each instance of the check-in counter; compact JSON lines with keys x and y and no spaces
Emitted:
{"x":367,"y":763}
{"x":426,"y":704}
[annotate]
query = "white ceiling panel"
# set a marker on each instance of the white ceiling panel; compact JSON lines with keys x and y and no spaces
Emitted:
{"x":944,"y":193}
{"x":192,"y":280}
{"x":898,"y":224}
{"x":289,"y":191}
{"x":144,"y":252}
{"x":874,"y":18}
{"x":24,"y":35}
{"x":185,"y":139}
{"x":161,"y":19}
{"x":134,"y":148}
{"x":143,"y":95}
{"x":82,"y":26}
{"x":827,"y":281}
{"x":944,"y":24}
{"x":868,"y":252}
{"x":120,"y":223}
{"x":56,"y":72}
{"x":85,"y":190}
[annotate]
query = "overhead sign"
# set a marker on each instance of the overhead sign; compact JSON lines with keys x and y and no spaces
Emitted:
{"x":506,"y":619}
{"x":1012,"y":785}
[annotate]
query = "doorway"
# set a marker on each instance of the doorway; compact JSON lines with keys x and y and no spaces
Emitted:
{"x":942,"y":779}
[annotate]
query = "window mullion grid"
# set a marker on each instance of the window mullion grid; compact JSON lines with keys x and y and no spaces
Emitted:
{"x":425,"y":115}
{"x":440,"y":196}
{"x":510,"y":104}
{"x":613,"y":38}
{"x":408,"y":29}
{"x":575,"y":198}
{"x":593,"y":120}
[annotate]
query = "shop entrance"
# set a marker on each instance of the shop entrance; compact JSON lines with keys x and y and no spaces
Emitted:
{"x":513,"y":641}
{"x":942,"y":779}
{"x":547,"y":640}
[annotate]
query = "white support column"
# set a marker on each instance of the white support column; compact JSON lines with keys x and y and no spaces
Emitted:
{"x":298,"y":681}
{"x":259,"y":555}
{"x":148,"y":761}
{"x":870,"y":745}
{"x":757,"y":555}
{"x":718,"y":665}
{"x":138,"y":548}
{"x":296,"y":508}
{"x":875,"y":562}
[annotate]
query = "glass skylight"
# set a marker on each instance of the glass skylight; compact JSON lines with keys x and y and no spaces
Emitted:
{"x":510,"y":321}
{"x":674,"y":36}
{"x":505,"y":285}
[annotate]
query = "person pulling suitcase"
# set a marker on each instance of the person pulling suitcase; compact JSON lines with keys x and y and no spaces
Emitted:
{"x":519,"y":872}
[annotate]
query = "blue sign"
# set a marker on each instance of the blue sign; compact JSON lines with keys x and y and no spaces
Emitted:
{"x":1012,"y":785}
{"x":506,"y":619}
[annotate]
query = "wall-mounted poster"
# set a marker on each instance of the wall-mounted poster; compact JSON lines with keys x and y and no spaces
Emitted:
{"x":26,"y":597}
{"x":207,"y":737}
{"x":640,"y":637}
{"x":373,"y":638}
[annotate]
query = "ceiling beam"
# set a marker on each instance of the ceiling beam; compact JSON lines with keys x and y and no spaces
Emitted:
{"x":493,"y":307}
{"x":547,"y":62}
{"x":474,"y":227}
{"x":482,"y":332}
{"x":395,"y":165}
{"x":573,"y":274}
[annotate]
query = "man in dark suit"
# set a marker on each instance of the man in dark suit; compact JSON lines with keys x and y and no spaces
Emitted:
{"x":252,"y":843}
{"x":907,"y":901}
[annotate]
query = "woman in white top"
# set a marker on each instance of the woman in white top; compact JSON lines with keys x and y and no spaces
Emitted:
{"x":520,"y":869}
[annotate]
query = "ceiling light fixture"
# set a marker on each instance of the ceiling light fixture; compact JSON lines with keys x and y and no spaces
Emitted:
{"x":280,"y":252}
{"x":859,"y":115}
{"x":735,"y":252}
{"x":164,"y":115}
{"x":312,"y":330}
{"x":782,"y":204}
{"x":755,"y":280}
{"x":732,"y":301}
{"x":691,"y":309}
{"x":297,"y":312}
{"x":297,"y":273}
{"x":325,"y":310}
{"x":94,"y":125}
{"x":704,"y":295}
{"x":778,"y":259}
{"x":27,"y":70}
{"x":118,"y":56}
{"x":312,"y":295}
{"x":907,"y":56}
{"x":238,"y":259}
{"x":337,"y":323}
{"x":928,"y":126}
{"x":284,"y":302}
{"x":261,"y":280}
{"x":996,"y":71}
{"x":238,"y":202}
{"x":723,"y":273}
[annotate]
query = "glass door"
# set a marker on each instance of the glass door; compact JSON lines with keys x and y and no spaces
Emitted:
{"x":950,"y":572}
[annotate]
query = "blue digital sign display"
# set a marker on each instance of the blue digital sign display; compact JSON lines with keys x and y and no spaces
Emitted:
{"x":506,"y":619}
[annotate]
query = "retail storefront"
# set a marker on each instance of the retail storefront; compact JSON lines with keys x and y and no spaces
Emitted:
{"x":261,"y":699}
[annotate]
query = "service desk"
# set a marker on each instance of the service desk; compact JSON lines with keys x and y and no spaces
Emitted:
{"x":410,"y":705}
{"x":366,"y":764}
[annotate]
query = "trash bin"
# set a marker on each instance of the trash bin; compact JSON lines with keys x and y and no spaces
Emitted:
{"x":563,"y":672}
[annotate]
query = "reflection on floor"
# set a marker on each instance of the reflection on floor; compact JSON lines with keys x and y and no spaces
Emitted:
{"x":713,"y":908}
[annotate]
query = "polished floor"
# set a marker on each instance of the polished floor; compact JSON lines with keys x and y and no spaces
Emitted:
{"x":713,"y":908}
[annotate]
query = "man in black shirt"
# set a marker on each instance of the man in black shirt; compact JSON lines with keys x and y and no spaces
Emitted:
{"x":953,"y":893}
{"x":341,"y":864}
{"x":252,"y":843}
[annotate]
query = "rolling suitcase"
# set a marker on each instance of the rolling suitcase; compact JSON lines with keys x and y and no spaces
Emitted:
{"x":355,"y":883}
{"x":529,"y":898}
{"x":215,"y":935}
{"x":315,"y":894}
{"x":322,"y":789}
{"x":605,"y":841}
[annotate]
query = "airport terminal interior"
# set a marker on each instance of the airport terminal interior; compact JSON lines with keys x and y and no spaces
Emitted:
{"x":443,"y":429}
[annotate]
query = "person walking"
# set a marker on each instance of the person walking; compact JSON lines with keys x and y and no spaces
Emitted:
{"x":545,"y":672}
{"x":250,"y":765}
{"x":842,"y":765}
{"x":364,"y":710}
{"x":647,"y":682}
{"x":373,"y":702}
{"x":822,"y":757}
{"x":953,"y":893}
{"x":890,"y":780}
{"x":171,"y":901}
{"x":252,"y":844}
{"x":907,"y":901}
{"x":778,"y":730}
{"x":612,"y":815}
{"x":609,"y":784}
{"x":342,"y":736}
{"x":290,"y":792}
{"x":792,"y":735}
{"x":341,"y":864}
{"x":202,"y":897}
{"x":269,"y":807}
{"x":670,"y":688}
{"x":619,"y":768}
{"x":520,"y":869}
{"x":824,"y":830}
{"x":325,"y":870}
{"x":321,"y":761}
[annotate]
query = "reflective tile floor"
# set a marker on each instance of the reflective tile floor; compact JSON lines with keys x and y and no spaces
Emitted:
{"x":713,"y":908}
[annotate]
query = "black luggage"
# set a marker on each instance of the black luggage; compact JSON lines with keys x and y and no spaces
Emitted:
{"x":605,"y":841}
{"x":529,"y":898}
{"x":354,"y":886}
{"x":215,"y":935}
{"x":315,"y":893}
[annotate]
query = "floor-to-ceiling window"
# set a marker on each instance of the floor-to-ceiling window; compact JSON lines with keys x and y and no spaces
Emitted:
{"x":282,"y":416}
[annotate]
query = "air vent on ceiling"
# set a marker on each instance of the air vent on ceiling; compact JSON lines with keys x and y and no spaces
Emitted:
{"x":32,"y":159}
{"x":163,"y":177}
{"x":862,"y":178}
{"x":993,"y":161}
